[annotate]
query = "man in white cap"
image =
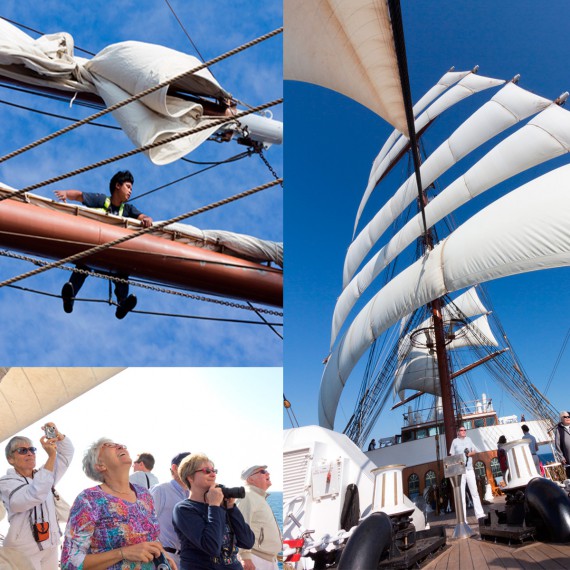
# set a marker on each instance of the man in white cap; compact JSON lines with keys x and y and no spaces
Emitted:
{"x":259,"y":516}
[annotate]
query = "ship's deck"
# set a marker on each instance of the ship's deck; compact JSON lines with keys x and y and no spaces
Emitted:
{"x":476,"y":554}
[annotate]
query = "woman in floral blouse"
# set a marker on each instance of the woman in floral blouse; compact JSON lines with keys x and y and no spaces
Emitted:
{"x":113,"y":525}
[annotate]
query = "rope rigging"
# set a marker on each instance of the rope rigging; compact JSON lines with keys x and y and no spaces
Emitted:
{"x":136,"y":151}
{"x":151,"y":313}
{"x":234,"y":158}
{"x":184,"y":30}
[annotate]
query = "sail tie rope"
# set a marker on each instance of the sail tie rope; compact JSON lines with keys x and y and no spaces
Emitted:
{"x":139,"y":150}
{"x":142,"y":94}
{"x":143,"y":231}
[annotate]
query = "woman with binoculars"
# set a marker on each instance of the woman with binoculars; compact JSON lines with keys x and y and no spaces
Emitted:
{"x":209,"y":526}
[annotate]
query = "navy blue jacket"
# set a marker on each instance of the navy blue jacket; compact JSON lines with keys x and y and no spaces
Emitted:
{"x":206,"y":536}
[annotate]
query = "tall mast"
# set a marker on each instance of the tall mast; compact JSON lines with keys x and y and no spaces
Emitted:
{"x":436,"y":305}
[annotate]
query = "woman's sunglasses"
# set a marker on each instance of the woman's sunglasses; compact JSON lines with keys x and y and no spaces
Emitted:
{"x":205,"y":470}
{"x":115,"y":445}
{"x":25,"y":450}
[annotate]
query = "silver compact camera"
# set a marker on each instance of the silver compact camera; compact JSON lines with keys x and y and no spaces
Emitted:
{"x":50,"y":431}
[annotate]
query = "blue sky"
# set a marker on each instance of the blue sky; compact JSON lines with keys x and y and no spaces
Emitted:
{"x":35,"y":329}
{"x":331,"y":143}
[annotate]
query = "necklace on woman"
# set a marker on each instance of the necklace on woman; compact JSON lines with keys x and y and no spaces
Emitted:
{"x":119,"y":492}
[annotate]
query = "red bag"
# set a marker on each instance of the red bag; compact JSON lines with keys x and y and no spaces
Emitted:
{"x":40,"y":531}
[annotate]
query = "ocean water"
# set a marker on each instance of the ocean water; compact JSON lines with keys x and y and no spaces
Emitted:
{"x":275,"y":501}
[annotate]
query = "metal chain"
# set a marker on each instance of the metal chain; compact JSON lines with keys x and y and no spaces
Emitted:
{"x":155,"y":288}
{"x":271,"y":169}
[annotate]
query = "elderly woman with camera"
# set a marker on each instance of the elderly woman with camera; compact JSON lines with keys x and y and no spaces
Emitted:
{"x":112,"y":525}
{"x":209,"y":527}
{"x":28,"y":495}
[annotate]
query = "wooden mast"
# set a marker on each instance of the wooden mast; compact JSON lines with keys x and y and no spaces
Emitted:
{"x":436,"y":305}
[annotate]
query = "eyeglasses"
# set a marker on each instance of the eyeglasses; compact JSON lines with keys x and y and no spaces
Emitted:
{"x":262,"y":471}
{"x":462,"y":429}
{"x":25,"y":450}
{"x":566,"y":417}
{"x":205,"y":470}
{"x":115,"y":445}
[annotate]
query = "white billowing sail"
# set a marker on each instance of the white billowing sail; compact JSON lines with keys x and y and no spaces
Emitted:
{"x":545,"y":137}
{"x":28,"y":394}
{"x":476,"y":333}
{"x":116,"y":73}
{"x":509,"y":106}
{"x":444,"y":83}
{"x":419,"y":373}
{"x":347,"y":47}
{"x":526,"y":230}
{"x":449,"y":79}
{"x":467,"y":304}
{"x":468,"y":86}
{"x":418,"y":370}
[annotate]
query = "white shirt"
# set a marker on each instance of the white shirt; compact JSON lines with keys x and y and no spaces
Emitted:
{"x":459,"y":445}
{"x":145,"y":479}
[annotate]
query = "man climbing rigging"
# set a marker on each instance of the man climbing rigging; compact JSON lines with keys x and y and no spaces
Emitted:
{"x":120,"y":186}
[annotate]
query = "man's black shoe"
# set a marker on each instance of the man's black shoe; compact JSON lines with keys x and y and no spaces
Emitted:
{"x":67,"y":294}
{"x":125,"y":306}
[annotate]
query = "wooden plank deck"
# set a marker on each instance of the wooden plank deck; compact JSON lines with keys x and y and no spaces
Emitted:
{"x":476,"y":554}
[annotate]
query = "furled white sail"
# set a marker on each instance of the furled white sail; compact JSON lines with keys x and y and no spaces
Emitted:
{"x":469,"y":85}
{"x":28,"y":394}
{"x":509,"y":106}
{"x":526,"y":230}
{"x":116,"y":73}
{"x":545,"y":137}
{"x":347,"y":47}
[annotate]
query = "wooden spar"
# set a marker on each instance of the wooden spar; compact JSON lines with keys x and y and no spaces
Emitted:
{"x":478,"y":363}
{"x":210,"y":107}
{"x":35,"y":230}
{"x":408,"y":399}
